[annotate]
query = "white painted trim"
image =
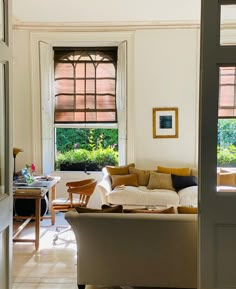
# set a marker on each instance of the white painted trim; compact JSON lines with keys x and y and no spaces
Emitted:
{"x":104,"y":26}
{"x":111,"y":26}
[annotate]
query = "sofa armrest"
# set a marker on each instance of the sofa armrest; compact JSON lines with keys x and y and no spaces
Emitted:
{"x":104,"y":187}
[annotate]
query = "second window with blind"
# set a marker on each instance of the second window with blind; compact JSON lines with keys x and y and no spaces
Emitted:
{"x":226,"y":142}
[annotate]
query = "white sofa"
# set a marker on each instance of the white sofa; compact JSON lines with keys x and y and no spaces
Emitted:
{"x":128,"y":249}
{"x":141,"y":196}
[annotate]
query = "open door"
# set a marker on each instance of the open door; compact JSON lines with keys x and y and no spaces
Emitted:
{"x":217,"y":206}
{"x":6,"y":153}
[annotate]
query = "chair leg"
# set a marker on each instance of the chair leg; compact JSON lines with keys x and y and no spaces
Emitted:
{"x":55,"y":237}
{"x":81,"y":286}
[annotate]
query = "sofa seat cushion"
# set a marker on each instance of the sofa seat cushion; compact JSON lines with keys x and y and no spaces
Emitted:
{"x":141,"y":196}
{"x":188,"y":196}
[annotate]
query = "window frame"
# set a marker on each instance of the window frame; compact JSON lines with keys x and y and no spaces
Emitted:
{"x":47,"y":139}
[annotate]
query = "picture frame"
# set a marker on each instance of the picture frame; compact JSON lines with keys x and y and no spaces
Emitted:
{"x":165,"y":122}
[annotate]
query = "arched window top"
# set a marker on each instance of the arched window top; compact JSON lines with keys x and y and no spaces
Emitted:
{"x":85,"y":85}
{"x":89,"y":54}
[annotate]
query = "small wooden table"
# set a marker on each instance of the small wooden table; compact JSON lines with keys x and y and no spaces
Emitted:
{"x":37,"y":194}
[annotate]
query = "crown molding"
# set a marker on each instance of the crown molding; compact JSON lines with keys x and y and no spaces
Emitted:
{"x":103,"y":26}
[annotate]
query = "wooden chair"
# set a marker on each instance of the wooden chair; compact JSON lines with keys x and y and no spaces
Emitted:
{"x":79,"y":193}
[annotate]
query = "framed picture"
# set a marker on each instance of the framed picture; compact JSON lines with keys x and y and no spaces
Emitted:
{"x":165,"y":122}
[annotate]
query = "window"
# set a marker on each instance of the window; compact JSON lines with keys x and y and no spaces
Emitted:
{"x":85,"y":107}
{"x":85,"y":84}
{"x":226,"y":150}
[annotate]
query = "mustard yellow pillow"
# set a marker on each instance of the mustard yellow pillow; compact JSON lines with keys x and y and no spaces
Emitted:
{"x":127,"y":180}
{"x":160,"y":181}
{"x":143,"y":175}
{"x":226,"y":179}
{"x":121,"y":170}
{"x":187,"y":210}
{"x":174,"y":171}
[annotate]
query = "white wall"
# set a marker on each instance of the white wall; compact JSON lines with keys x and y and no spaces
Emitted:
{"x":166,"y":75}
{"x":22,"y":102}
{"x":105,"y":10}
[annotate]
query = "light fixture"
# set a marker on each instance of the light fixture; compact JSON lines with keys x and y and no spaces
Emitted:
{"x":15,"y":153}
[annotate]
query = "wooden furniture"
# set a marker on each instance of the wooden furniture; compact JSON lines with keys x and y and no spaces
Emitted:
{"x":79,"y":193}
{"x":36,"y":194}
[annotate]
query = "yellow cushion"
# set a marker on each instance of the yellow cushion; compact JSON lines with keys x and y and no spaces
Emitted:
{"x":174,"y":171}
{"x":127,"y":180}
{"x":187,"y":210}
{"x":226,"y":179}
{"x":121,"y":170}
{"x":143,"y":175}
{"x":160,"y":181}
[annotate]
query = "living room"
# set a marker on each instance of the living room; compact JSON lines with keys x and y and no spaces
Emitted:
{"x":162,"y":71}
{"x":163,"y":60}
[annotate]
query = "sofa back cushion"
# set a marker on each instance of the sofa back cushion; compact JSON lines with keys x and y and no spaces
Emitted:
{"x":127,"y":180}
{"x":160,"y":181}
{"x":181,"y":182}
{"x":119,"y":170}
{"x":143,"y":175}
{"x":225,"y":178}
{"x":174,"y":171}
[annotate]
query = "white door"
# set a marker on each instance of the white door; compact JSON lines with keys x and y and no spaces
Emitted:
{"x":5,"y":148}
{"x":217,"y":210}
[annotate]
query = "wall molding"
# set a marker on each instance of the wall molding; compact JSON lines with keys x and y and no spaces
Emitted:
{"x":111,"y":26}
{"x":103,"y":26}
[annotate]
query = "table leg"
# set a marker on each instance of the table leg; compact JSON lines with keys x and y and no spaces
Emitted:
{"x":53,"y":194}
{"x":37,"y":222}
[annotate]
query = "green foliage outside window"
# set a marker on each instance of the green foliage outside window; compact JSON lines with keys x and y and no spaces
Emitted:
{"x":83,"y":138}
{"x":87,"y":146}
{"x":226,"y":143}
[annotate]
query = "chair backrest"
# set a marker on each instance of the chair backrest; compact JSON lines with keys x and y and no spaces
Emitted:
{"x":84,"y":189}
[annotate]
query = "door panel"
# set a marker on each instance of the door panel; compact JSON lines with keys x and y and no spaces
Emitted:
{"x":6,"y":156}
{"x":217,"y":205}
